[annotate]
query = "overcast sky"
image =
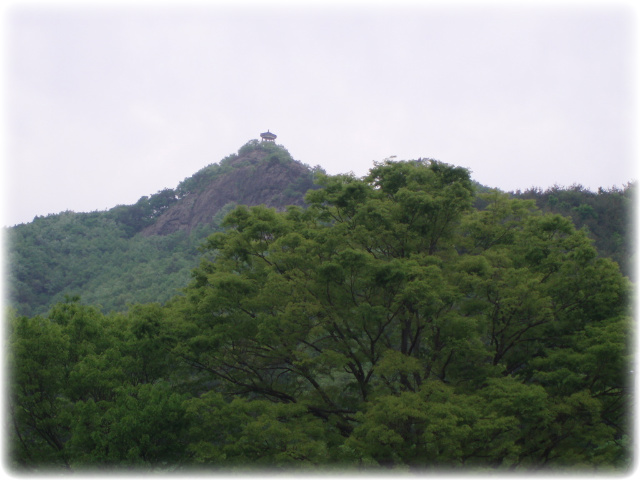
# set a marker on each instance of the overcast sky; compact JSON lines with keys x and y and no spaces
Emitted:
{"x":103,"y":105}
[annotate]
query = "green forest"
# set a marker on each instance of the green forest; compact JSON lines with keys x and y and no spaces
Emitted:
{"x":104,"y":256}
{"x":405,"y":321}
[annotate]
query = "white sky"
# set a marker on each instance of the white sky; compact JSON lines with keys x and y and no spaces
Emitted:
{"x":104,"y":104}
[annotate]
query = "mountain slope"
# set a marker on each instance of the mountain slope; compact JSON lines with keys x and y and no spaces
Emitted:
{"x":606,"y":214}
{"x":144,"y":252}
{"x":262,"y":176}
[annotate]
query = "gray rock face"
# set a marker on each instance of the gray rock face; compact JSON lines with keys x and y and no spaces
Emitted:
{"x":256,"y":179}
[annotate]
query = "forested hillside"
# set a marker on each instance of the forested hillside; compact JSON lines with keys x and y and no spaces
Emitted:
{"x":390,"y":324}
{"x":606,"y":214}
{"x":144,"y":252}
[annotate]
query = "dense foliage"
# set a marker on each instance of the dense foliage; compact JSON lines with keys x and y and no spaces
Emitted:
{"x":607,"y":215}
{"x":389,"y":325}
{"x":92,"y":255}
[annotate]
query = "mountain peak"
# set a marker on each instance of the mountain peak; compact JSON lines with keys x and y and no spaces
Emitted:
{"x":262,"y":173}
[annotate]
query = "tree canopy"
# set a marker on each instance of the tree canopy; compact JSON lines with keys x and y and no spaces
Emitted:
{"x":388,"y":325}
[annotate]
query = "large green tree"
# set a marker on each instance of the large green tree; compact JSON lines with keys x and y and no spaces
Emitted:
{"x":389,"y":324}
{"x":391,"y":291}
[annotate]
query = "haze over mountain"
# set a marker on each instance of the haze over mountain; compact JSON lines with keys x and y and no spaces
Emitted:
{"x":108,"y":101}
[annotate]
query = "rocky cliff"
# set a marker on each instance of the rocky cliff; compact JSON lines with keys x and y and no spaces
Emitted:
{"x":258,"y":177}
